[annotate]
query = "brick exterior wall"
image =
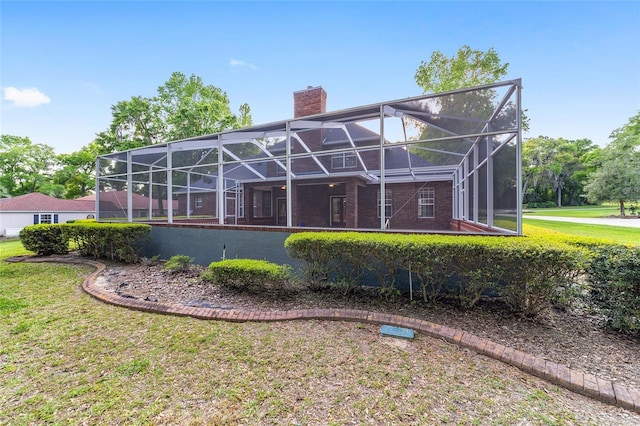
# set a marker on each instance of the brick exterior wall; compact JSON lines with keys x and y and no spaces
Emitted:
{"x":208,"y":204}
{"x":312,"y":206}
{"x":404,"y":205}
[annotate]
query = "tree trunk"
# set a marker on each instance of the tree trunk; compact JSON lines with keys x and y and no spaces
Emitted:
{"x":621,"y":207}
{"x":159,"y":196}
{"x":559,"y":196}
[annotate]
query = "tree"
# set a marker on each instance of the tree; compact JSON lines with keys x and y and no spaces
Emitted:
{"x":467,"y":68}
{"x":78,"y":171}
{"x":183,"y":107}
{"x":26,"y":167}
{"x":459,"y":113}
{"x":189,"y":108}
{"x":618,"y":178}
{"x":555,"y":166}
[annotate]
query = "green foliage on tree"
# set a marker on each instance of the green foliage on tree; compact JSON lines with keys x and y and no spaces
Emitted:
{"x":77,"y":174}
{"x":460,"y":113}
{"x":26,"y":166}
{"x":469,"y":67}
{"x":183,"y":107}
{"x":618,"y":177}
{"x":556,"y":169}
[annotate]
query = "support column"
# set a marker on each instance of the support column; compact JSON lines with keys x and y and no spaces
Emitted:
{"x":382,"y":180}
{"x":289,"y":190}
{"x":129,"y":188}
{"x":220,"y":203}
{"x":169,"y":184}
{"x":97,"y":203}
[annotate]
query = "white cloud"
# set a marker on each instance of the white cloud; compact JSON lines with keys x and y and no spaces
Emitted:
{"x":241,"y":63}
{"x":25,"y":98}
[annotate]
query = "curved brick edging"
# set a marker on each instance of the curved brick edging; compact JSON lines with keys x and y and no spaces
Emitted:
{"x":558,"y":374}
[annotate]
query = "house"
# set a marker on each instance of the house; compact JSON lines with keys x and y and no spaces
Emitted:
{"x":35,"y":208}
{"x":113,"y":204}
{"x":459,"y":171}
{"x":326,"y":201}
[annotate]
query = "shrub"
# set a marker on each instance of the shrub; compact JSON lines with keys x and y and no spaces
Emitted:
{"x":44,"y":239}
{"x":614,"y":276}
{"x":115,"y":241}
{"x":178,"y":263}
{"x":539,"y":274}
{"x":529,"y":273}
{"x":247,"y":273}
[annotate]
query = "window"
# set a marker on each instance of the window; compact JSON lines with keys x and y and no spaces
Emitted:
{"x":199,"y":201}
{"x":388,"y":210}
{"x":426,"y":203}
{"x":344,"y":160}
{"x":45,"y":218}
{"x":262,"y":203}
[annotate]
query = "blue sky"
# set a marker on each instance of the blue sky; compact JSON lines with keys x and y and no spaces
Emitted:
{"x":63,"y":64}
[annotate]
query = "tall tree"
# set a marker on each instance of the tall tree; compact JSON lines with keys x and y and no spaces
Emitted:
{"x":183,"y":107}
{"x":25,"y":166}
{"x":618,"y":178}
{"x":460,"y":113}
{"x":555,"y":169}
{"x":465,"y":69}
{"x":78,"y":171}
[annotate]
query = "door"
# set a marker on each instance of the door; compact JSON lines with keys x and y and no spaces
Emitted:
{"x":338,"y":205}
{"x":281,"y":208}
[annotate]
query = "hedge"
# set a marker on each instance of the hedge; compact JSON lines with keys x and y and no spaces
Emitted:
{"x":247,"y":273}
{"x":529,"y":273}
{"x":115,"y":241}
{"x":614,"y":276}
{"x":44,"y":239}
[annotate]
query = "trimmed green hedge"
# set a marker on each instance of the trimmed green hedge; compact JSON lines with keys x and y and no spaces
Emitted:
{"x":614,"y":275}
{"x":44,"y":239}
{"x":247,"y":273}
{"x":529,"y":273}
{"x":115,"y":241}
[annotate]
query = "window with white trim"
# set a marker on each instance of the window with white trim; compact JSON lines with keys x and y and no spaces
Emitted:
{"x":388,"y":206}
{"x":198,"y":201}
{"x":427,"y":203}
{"x":45,"y":218}
{"x":262,"y":203}
{"x":344,"y":160}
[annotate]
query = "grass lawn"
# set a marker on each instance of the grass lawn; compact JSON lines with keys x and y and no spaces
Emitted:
{"x":67,"y":358}
{"x":619,"y":234}
{"x":603,"y":210}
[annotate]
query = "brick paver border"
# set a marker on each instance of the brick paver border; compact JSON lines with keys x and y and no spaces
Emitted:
{"x":574,"y":380}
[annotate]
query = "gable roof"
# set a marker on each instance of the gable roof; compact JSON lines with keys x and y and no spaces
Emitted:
{"x":37,"y":202}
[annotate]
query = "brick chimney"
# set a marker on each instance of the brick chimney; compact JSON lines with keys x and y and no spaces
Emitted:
{"x":311,"y":101}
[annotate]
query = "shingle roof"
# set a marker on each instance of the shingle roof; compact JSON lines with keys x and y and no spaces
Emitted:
{"x":118,"y":199}
{"x":36,"y":202}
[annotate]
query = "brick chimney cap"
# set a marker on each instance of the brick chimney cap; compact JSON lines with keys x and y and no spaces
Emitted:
{"x":309,"y":88}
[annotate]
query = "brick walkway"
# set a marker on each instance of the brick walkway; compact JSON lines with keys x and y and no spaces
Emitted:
{"x":561,"y":375}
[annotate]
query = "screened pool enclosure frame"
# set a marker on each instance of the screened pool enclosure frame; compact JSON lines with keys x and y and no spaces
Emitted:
{"x":469,"y":138}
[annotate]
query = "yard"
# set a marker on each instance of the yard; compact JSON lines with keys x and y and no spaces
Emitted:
{"x":66,"y":358}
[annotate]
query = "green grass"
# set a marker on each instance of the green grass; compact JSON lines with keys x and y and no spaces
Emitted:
{"x":604,"y":210}
{"x":66,"y":358}
{"x":619,"y":234}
